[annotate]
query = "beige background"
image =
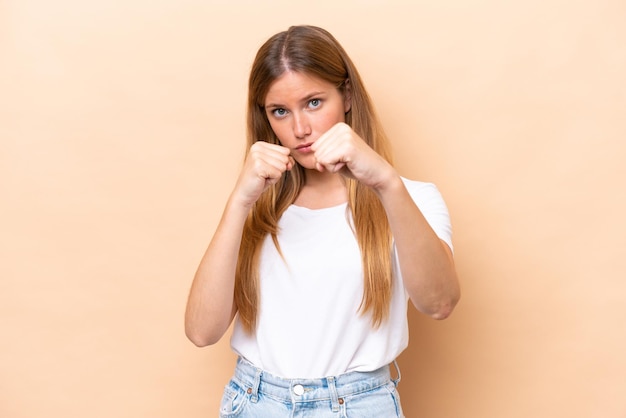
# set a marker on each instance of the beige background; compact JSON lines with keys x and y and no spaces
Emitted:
{"x":121,"y":127}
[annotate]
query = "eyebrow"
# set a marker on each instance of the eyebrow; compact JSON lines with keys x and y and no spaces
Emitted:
{"x":304,"y":99}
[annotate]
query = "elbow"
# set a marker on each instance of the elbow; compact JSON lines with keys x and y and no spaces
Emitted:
{"x":445,"y":308}
{"x":442,"y":313}
{"x":437,"y":307}
{"x":201,"y":339}
{"x":202,"y":332}
{"x":201,"y":335}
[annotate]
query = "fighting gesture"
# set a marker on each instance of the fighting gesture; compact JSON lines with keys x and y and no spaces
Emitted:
{"x":263,"y":167}
{"x":341,"y":150}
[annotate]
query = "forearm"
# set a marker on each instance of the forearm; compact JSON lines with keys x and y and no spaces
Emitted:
{"x":210,"y":307}
{"x":426,"y":262}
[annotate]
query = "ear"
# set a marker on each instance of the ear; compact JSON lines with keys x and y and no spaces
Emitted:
{"x":347,"y":95}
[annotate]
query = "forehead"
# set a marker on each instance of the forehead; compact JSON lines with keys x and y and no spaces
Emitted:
{"x":293,"y":85}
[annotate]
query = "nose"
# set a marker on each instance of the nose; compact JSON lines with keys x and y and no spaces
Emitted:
{"x":301,"y":125}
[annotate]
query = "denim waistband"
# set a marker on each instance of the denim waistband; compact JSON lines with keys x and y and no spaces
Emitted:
{"x":333,"y":388}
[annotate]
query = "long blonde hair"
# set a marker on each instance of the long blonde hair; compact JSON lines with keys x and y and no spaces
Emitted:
{"x":314,"y":51}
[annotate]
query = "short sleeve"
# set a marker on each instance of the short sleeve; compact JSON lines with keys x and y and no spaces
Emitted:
{"x":430,"y":202}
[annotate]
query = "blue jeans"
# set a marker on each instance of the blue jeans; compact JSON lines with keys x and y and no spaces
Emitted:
{"x":253,"y":393}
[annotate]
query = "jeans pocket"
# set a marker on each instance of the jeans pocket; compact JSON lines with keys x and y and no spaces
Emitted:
{"x":396,"y":398}
{"x":380,"y":402}
{"x":233,"y":400}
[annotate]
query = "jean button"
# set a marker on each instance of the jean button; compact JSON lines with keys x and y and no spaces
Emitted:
{"x":298,"y":390}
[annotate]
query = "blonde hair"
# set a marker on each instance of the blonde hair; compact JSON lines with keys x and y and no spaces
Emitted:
{"x":314,"y":51}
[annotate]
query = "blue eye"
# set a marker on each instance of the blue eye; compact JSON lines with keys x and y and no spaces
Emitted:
{"x":315,"y":103}
{"x":280,"y":112}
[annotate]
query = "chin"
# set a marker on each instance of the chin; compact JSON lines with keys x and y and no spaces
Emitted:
{"x":308,"y":163}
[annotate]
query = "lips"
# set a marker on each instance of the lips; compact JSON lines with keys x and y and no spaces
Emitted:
{"x":305,"y":148}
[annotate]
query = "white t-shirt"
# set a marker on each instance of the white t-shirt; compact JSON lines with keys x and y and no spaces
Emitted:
{"x":309,"y":324}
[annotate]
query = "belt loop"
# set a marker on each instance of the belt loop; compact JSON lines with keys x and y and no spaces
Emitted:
{"x":254,"y":390}
{"x":397,"y":380}
{"x":334,"y":398}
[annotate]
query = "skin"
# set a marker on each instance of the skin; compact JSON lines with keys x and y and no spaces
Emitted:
{"x":307,"y":115}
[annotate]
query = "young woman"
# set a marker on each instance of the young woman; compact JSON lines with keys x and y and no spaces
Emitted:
{"x":320,"y":246}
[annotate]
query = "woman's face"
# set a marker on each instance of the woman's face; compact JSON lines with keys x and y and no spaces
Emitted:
{"x":300,"y":108}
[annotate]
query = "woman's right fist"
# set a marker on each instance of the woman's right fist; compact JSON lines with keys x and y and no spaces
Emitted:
{"x":264,"y":166}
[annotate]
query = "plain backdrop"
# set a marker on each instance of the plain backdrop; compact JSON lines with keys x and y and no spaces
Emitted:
{"x":122,"y":133}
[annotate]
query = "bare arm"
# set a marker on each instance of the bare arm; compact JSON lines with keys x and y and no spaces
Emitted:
{"x":426,"y":261}
{"x":210,"y":306}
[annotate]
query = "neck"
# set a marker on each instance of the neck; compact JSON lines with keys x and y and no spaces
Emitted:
{"x":322,"y":190}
